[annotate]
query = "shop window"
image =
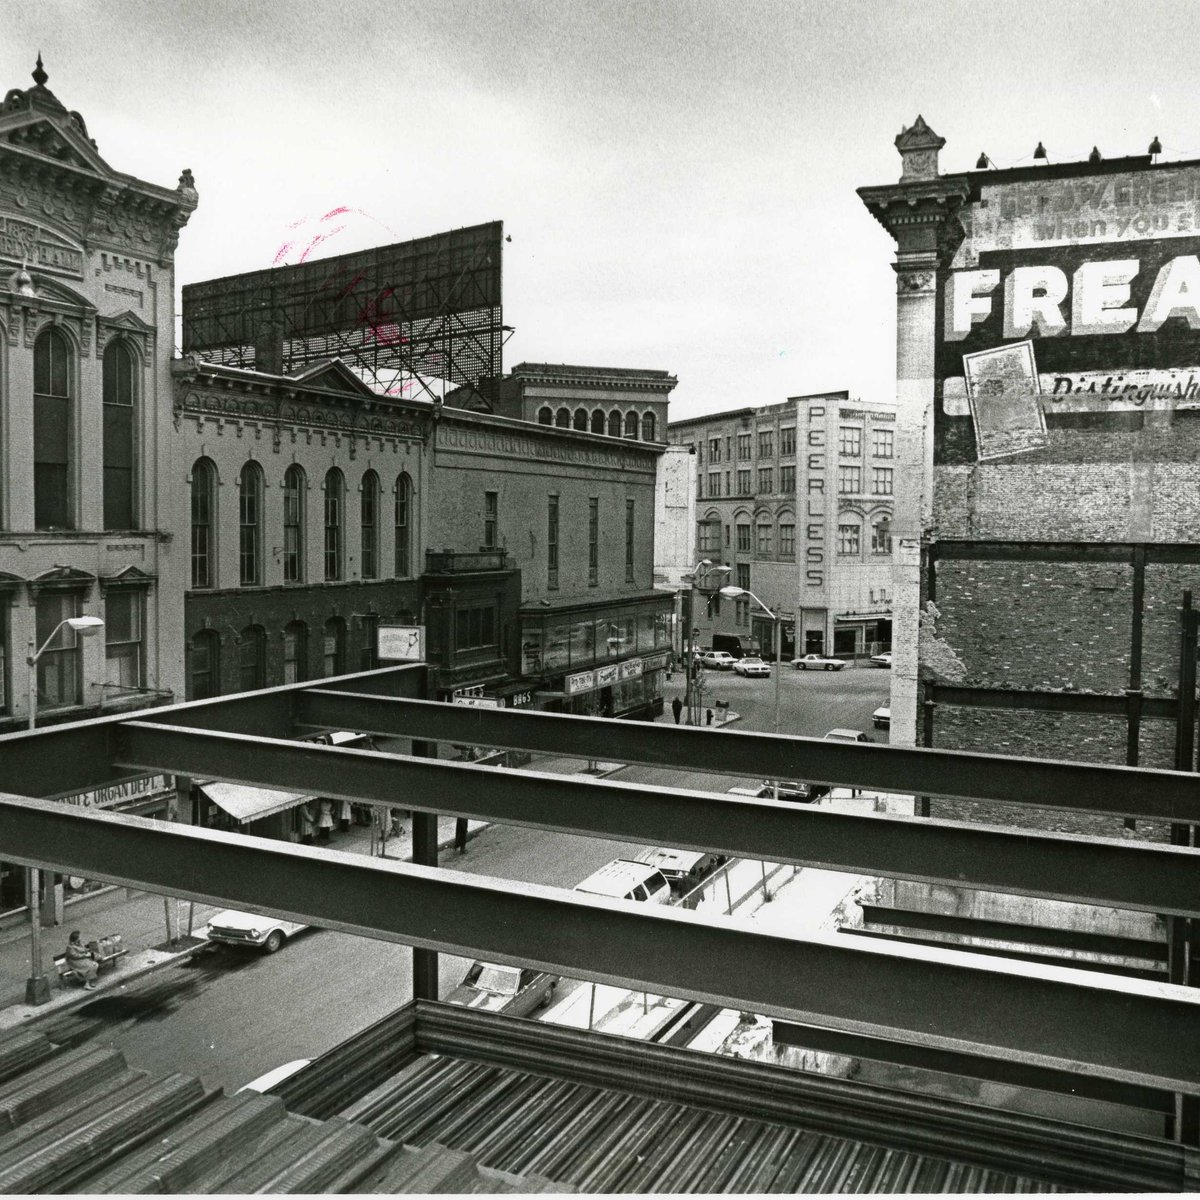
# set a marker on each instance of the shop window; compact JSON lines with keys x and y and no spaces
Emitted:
{"x":597,"y":420}
{"x":333,"y":656}
{"x":849,"y":480}
{"x":118,"y":437}
{"x":849,"y":538}
{"x":881,"y":536}
{"x":295,"y":652}
{"x":294,"y":487}
{"x":491,"y":520}
{"x":204,"y":665}
{"x":581,"y":420}
{"x":204,"y":511}
{"x":53,"y":431}
{"x":252,"y":658}
{"x":850,"y":441}
{"x":614,"y":424}
{"x":545,"y":416}
{"x":883,"y":443}
{"x":369,"y":525}
{"x":629,"y":532}
{"x":787,"y":440}
{"x":335,"y":493}
{"x":475,"y":628}
{"x":743,"y":538}
{"x":552,"y":542}
{"x":124,"y":653}
{"x":881,"y":481}
{"x":593,"y":541}
{"x":60,"y":667}
{"x":403,"y":523}
{"x":787,"y":540}
{"x":250,"y":502}
{"x":649,"y":427}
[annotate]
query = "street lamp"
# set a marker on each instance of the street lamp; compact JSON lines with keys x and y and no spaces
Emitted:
{"x":700,"y":572}
{"x":736,"y":593}
{"x":37,"y":986}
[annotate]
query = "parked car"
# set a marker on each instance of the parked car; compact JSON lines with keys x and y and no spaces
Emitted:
{"x":495,"y":987}
{"x":882,"y":660}
{"x":232,"y":928}
{"x":817,"y":662}
{"x":626,"y":879}
{"x":682,"y":868}
{"x":847,"y":735}
{"x":751,"y":666}
{"x":720,"y":660}
{"x":882,"y":717}
{"x":797,"y":793}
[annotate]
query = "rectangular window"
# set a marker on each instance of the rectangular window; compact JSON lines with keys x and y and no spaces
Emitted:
{"x":291,"y":530}
{"x":743,"y":575}
{"x":249,"y":556}
{"x":882,"y":443}
{"x":848,"y":539}
{"x":333,"y":531}
{"x":552,"y":542}
{"x":787,"y":540}
{"x":59,"y":669}
{"x":881,"y":481}
{"x":881,"y":538}
{"x":743,"y":542}
{"x":766,"y":443}
{"x":726,"y":535}
{"x":850,"y":441}
{"x":594,"y":541}
{"x":125,"y":662}
{"x":714,"y":483}
{"x":743,"y":483}
{"x":766,"y":480}
{"x":764,"y":539}
{"x":743,"y":445}
{"x":714,"y":450}
{"x":368,"y":655}
{"x":787,"y":440}
{"x":491,"y":518}
{"x":629,"y":525}
{"x":369,"y":525}
{"x":474,"y":628}
{"x":728,"y":484}
{"x":202,"y":527}
{"x":849,"y":480}
{"x":787,"y":480}
{"x":709,"y":538}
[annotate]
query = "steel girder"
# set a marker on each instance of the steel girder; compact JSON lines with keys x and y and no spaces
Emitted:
{"x":1140,"y":792}
{"x":1057,"y":1018}
{"x":1134,"y":875}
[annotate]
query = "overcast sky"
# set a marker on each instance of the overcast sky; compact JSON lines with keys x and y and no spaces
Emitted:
{"x":677,"y":178}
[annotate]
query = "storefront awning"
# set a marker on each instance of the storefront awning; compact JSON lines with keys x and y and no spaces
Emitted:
{"x":250,"y":803}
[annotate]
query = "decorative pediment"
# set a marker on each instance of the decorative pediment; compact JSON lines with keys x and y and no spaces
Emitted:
{"x":53,"y":293}
{"x":9,"y":582}
{"x":918,"y":146}
{"x":333,"y":376}
{"x":126,"y":323}
{"x":36,"y":120}
{"x":61,"y":579}
{"x":128,"y":577}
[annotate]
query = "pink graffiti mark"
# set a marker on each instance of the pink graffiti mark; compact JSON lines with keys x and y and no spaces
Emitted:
{"x":401,"y":389}
{"x":323,"y":233}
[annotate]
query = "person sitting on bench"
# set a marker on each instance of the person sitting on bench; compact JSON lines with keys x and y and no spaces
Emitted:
{"x":81,"y":960}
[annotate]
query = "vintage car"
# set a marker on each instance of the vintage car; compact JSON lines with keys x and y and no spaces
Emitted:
{"x":846,"y":735}
{"x":682,"y":868}
{"x":517,"y":991}
{"x":817,"y":662}
{"x":881,"y":660}
{"x":882,"y":717}
{"x":718,"y":660}
{"x":232,"y":928}
{"x":751,"y":666}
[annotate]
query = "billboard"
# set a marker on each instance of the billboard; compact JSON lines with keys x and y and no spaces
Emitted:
{"x":1070,"y":308}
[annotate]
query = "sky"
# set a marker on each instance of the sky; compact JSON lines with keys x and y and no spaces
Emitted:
{"x":677,"y":178}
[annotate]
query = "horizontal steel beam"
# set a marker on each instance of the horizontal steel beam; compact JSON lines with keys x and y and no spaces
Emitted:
{"x":1113,"y":705}
{"x":1123,"y":874}
{"x":1114,"y":790}
{"x":1056,"y":1018}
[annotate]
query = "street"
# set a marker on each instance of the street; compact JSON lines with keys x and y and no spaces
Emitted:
{"x":231,"y":1016}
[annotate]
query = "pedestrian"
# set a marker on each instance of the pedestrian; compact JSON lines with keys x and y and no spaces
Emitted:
{"x":325,"y":821}
{"x":708,"y":716}
{"x":345,"y":814}
{"x":81,"y":960}
{"x":305,"y":814}
{"x":677,"y":708}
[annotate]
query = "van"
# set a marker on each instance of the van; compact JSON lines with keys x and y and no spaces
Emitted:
{"x":625,"y":879}
{"x":733,"y":645}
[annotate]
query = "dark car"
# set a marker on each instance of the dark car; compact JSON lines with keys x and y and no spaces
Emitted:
{"x":796,"y":793}
{"x":517,"y":991}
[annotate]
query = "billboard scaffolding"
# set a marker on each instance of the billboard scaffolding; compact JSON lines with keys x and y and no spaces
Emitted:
{"x":401,"y":315}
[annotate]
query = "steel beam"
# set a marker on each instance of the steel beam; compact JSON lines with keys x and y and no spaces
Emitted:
{"x":1109,"y":705}
{"x":1122,"y":874}
{"x":1041,"y":783}
{"x":1053,"y":1017}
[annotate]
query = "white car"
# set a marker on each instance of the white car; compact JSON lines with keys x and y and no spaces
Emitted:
{"x":818,"y":662}
{"x":882,"y":717}
{"x":751,"y":666}
{"x":881,"y":660}
{"x":847,"y":735}
{"x":232,"y":928}
{"x":720,"y":660}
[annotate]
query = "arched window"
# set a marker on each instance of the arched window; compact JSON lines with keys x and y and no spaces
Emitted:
{"x":545,"y":416}
{"x":335,"y":494}
{"x":598,"y":420}
{"x":53,"y":431}
{"x":204,"y":518}
{"x":403,"y":525}
{"x":649,"y":427}
{"x":204,"y":665}
{"x":118,"y":437}
{"x":581,"y":419}
{"x":563,"y":418}
{"x":295,"y":652}
{"x":334,"y":652}
{"x":252,"y":658}
{"x":294,"y":487}
{"x":369,"y":523}
{"x":250,"y":503}
{"x":614,"y":424}
{"x":631,"y":425}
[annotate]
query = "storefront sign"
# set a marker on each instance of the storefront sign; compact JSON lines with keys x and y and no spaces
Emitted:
{"x":477,"y":701}
{"x":656,"y":662}
{"x":401,"y":643}
{"x":120,"y":793}
{"x":584,"y":681}
{"x":631,"y":669}
{"x":606,"y":676}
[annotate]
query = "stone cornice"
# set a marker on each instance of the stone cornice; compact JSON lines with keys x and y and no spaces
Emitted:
{"x":930,"y":200}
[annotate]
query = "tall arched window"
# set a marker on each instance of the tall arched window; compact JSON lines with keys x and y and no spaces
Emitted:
{"x":545,"y":416}
{"x":204,"y":515}
{"x":403,"y":524}
{"x":204,"y":665}
{"x":250,"y":506}
{"x":598,"y":420}
{"x":631,"y":425}
{"x":614,"y":424}
{"x":53,"y":431}
{"x":369,"y":523}
{"x":295,"y":652}
{"x":118,"y":437}
{"x":252,"y":658}
{"x":581,"y":419}
{"x":335,"y":494}
{"x":563,"y":418}
{"x":334,"y":653}
{"x":649,"y":427}
{"x":294,"y":486}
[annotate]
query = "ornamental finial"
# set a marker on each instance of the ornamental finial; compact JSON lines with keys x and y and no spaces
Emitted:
{"x":39,"y":75}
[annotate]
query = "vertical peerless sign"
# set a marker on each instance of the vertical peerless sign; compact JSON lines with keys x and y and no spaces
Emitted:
{"x":1070,"y":309}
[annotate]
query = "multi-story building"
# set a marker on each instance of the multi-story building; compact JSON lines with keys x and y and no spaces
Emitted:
{"x":795,"y":498}
{"x":87,"y":515}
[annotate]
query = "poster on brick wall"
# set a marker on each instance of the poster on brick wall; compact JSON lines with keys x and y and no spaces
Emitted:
{"x":1071,"y":308}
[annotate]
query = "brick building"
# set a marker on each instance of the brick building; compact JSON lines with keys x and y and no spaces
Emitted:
{"x":1049,"y":393}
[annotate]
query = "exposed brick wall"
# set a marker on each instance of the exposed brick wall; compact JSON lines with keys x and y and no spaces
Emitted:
{"x":1165,"y":585}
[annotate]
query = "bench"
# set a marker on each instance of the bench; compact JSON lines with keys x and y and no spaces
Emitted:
{"x":111,"y":951}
